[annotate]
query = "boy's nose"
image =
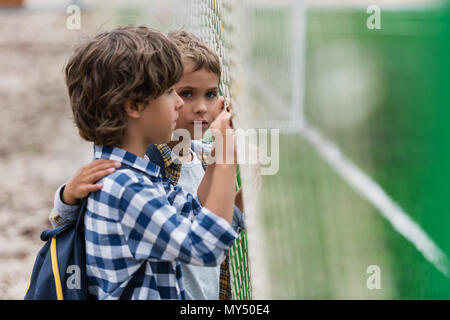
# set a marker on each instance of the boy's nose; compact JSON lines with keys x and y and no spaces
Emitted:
{"x":179,"y":103}
{"x":201,"y":108}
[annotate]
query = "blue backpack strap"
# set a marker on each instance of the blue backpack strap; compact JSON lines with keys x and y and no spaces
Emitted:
{"x":79,"y":223}
{"x":48,"y":234}
{"x":155,"y":156}
{"x":81,"y":212}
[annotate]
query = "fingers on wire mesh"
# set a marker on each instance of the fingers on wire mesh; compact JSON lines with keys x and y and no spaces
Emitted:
{"x":229,"y":107}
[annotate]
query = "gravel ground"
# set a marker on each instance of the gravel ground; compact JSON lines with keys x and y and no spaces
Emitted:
{"x":39,"y":144}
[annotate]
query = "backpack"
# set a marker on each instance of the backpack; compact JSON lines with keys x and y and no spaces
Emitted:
{"x":59,"y":271}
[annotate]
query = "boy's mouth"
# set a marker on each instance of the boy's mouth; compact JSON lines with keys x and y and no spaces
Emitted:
{"x":202,"y":123}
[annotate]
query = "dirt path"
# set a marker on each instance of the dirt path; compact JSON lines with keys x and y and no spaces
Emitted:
{"x":39,"y":145}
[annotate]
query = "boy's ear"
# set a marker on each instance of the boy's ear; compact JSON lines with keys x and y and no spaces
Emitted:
{"x":133,"y":110}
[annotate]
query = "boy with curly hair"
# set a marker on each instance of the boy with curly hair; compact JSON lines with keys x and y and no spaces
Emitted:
{"x":138,"y":228}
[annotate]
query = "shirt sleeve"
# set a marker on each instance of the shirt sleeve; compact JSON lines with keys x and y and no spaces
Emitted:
{"x":61,"y":212}
{"x":238,"y":222}
{"x":155,"y":226}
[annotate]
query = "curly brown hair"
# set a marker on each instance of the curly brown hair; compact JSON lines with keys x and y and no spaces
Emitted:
{"x":197,"y":51}
{"x":129,"y":63}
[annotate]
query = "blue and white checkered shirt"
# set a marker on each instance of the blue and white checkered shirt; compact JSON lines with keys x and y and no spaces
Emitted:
{"x":138,"y":229}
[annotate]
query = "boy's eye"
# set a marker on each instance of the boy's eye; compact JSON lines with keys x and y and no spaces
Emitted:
{"x":211,"y":94}
{"x":186,"y":94}
{"x":170,"y":91}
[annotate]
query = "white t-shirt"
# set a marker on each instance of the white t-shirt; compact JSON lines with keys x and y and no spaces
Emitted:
{"x":201,"y":283}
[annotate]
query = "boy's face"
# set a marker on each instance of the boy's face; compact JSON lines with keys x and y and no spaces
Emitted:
{"x":199,"y":91}
{"x":158,"y":119}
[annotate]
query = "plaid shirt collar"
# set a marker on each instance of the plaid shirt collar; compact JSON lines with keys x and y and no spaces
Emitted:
{"x":169,"y":157}
{"x":127,"y":158}
{"x":172,"y":164}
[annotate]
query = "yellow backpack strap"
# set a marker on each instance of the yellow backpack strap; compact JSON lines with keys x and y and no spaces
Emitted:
{"x":58,"y":286}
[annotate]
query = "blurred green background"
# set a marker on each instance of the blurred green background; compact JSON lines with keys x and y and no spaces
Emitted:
{"x":383,"y":97}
